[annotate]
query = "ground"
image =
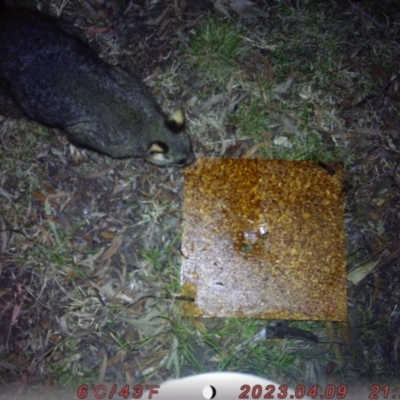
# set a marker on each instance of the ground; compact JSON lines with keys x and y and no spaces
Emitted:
{"x":90,"y":249}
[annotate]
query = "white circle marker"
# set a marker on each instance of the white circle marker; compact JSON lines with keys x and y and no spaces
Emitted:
{"x":209,"y":392}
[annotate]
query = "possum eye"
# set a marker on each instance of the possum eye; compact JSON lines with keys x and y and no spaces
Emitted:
{"x":176,"y":121}
{"x":158,"y":148}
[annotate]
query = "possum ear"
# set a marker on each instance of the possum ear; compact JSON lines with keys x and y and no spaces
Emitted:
{"x":176,"y":121}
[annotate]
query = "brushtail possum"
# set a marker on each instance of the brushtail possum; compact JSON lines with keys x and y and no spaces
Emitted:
{"x":56,"y":79}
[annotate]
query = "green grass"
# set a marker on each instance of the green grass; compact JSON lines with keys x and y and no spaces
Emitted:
{"x":213,"y":50}
{"x":267,"y":116}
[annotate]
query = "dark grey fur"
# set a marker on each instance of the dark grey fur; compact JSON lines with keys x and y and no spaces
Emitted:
{"x":56,"y":79}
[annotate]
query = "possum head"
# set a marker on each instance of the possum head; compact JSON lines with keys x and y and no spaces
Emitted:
{"x":175,"y":147}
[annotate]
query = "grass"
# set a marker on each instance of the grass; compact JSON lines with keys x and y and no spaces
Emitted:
{"x":289,"y":103}
{"x":270,"y":114}
{"x":214,"y":48}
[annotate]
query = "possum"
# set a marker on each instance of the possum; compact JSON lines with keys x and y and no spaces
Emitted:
{"x":55,"y":78}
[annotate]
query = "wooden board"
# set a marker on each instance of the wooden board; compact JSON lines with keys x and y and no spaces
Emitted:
{"x":264,"y":239}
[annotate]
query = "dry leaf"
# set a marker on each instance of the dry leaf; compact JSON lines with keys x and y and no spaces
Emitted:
{"x":359,"y":273}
